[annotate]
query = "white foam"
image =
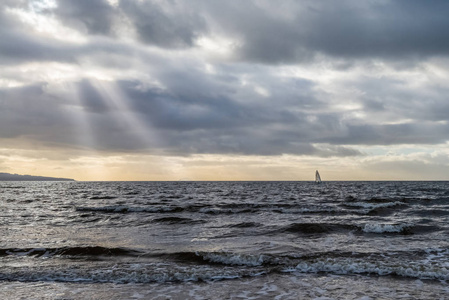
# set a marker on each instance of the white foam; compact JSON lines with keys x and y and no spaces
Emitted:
{"x":384,"y":228}
{"x":374,"y":205}
{"x":128,"y":273}
{"x":233,"y":259}
{"x":347,"y":267}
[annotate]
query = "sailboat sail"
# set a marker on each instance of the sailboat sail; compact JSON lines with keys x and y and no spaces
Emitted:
{"x":317,"y":177}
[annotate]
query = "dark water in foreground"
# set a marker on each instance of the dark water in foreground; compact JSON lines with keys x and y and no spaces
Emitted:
{"x":224,"y":240}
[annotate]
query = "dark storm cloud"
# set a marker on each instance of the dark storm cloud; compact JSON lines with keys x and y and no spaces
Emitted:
{"x":166,"y":25}
{"x":219,"y":124}
{"x":91,"y":16}
{"x":378,"y":29}
{"x":346,"y":29}
{"x":17,"y":44}
{"x":20,"y":44}
{"x":397,"y":98}
{"x":177,"y":28}
{"x":390,"y":134}
{"x":267,"y":32}
{"x":18,"y":47}
{"x":209,"y":120}
{"x":30,"y":112}
{"x":38,"y":115}
{"x":244,"y":105}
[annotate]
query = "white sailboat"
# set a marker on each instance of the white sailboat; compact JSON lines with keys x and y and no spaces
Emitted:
{"x":317,"y":177}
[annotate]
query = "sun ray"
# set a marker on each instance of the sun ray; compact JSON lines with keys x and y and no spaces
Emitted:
{"x":87,"y":144}
{"x":80,"y":117}
{"x":147,"y":144}
{"x":115,"y":99}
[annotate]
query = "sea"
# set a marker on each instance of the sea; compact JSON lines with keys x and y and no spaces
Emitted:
{"x":224,"y":240}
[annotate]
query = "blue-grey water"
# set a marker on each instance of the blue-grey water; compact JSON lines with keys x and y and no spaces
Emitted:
{"x":224,"y":240}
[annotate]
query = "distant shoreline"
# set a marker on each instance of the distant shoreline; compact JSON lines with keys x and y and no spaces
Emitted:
{"x":17,"y":177}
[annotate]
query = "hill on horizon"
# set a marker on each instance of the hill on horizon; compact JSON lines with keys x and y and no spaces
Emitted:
{"x":17,"y":177}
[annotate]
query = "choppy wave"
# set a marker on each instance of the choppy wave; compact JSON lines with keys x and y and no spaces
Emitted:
{"x":404,"y":229}
{"x":342,"y":263}
{"x":131,"y":273}
{"x":326,"y":228}
{"x":211,"y":209}
{"x":178,"y":220}
{"x":317,"y":227}
{"x":234,"y":259}
{"x":374,"y":205}
{"x":387,"y":228}
{"x":102,"y":197}
{"x":68,"y":251}
{"x":419,"y":270}
{"x":244,"y":225}
{"x":209,"y":266}
{"x":129,"y":209}
{"x":216,"y":231}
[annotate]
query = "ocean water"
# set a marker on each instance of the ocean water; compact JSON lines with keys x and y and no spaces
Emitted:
{"x":224,"y":240}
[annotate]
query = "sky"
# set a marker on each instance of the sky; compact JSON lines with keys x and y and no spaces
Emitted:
{"x":225,"y":90}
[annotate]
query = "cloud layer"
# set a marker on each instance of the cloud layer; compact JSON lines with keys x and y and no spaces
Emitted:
{"x":315,"y":78}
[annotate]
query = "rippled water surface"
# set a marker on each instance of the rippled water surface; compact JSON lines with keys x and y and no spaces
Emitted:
{"x":223,"y":240}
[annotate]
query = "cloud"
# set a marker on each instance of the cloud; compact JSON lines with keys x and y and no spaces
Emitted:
{"x":188,"y":123}
{"x":398,"y":134}
{"x":291,"y":32}
{"x":312,"y":78}
{"x":88,"y":16}
{"x":19,"y":47}
{"x":30,"y":112}
{"x":297,"y":32}
{"x":168,"y":26}
{"x":165,"y":25}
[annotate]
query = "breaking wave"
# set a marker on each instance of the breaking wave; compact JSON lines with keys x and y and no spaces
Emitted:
{"x":380,"y":268}
{"x":212,"y":266}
